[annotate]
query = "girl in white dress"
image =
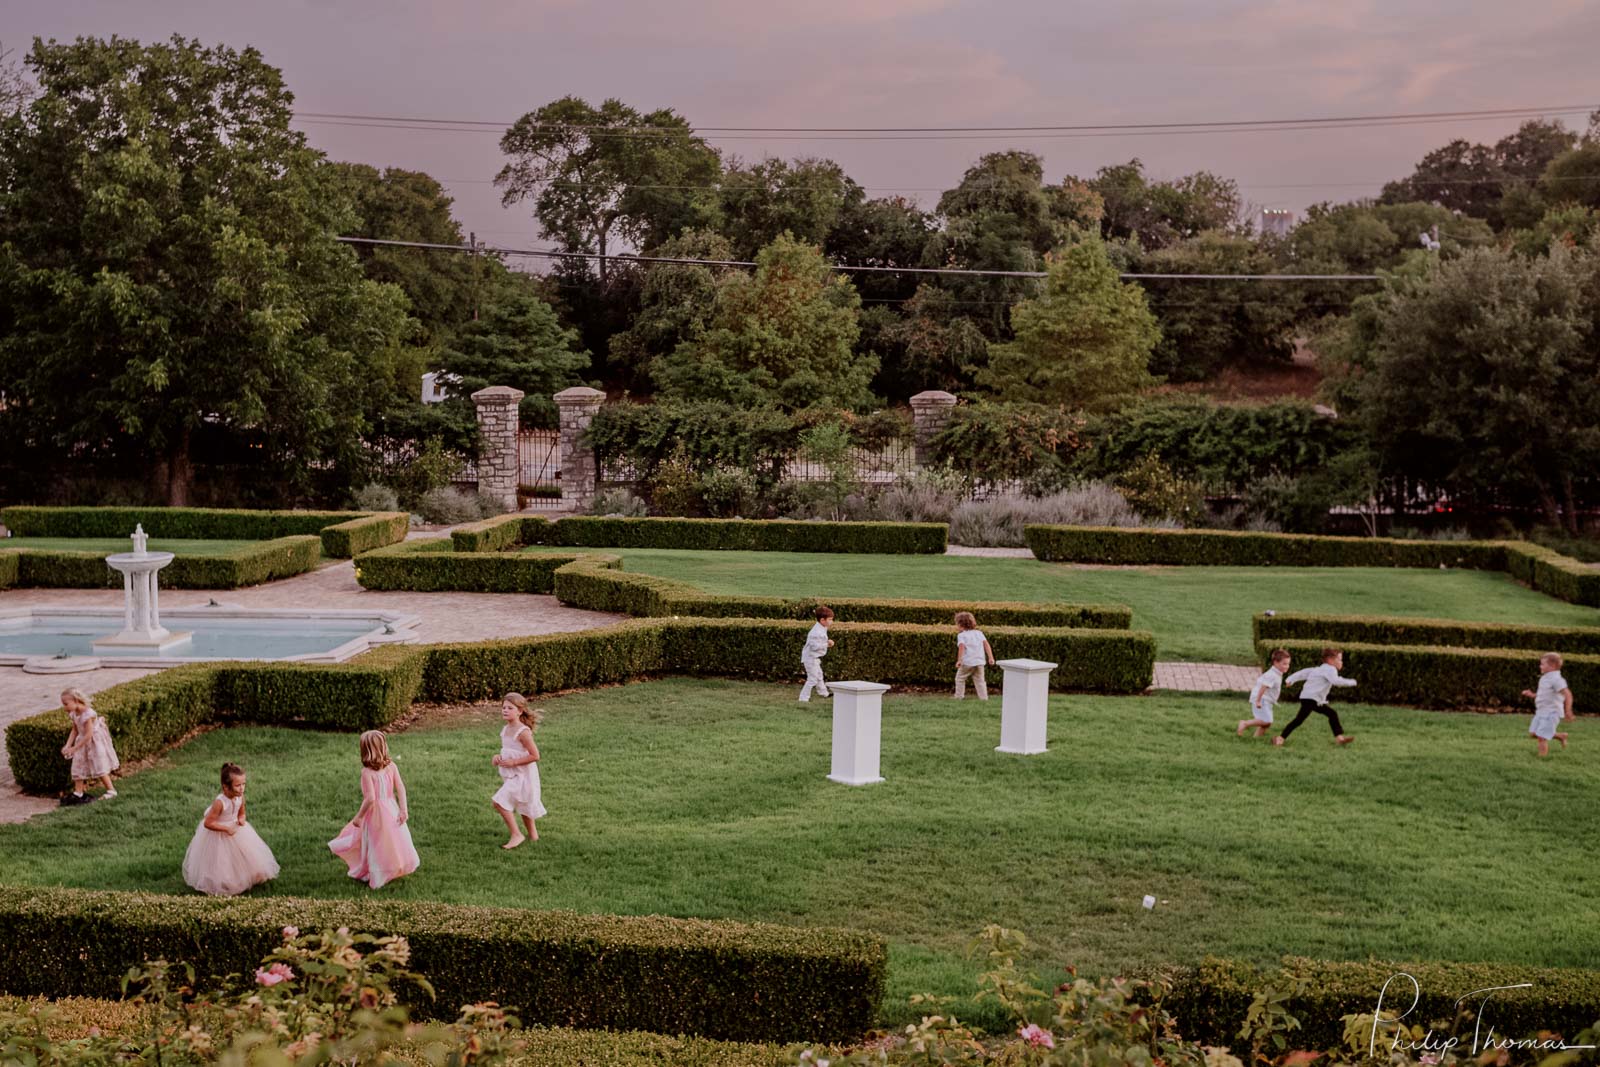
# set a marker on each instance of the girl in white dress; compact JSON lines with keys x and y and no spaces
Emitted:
{"x":518,"y":763}
{"x":227,"y":856}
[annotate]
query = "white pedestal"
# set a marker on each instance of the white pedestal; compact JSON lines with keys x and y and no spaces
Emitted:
{"x":857,"y":731}
{"x":141,"y":621}
{"x":1024,"y":705}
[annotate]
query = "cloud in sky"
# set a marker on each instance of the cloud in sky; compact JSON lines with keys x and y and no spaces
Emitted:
{"x":902,"y":63}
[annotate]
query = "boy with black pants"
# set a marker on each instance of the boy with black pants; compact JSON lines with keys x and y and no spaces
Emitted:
{"x":1319,"y":681}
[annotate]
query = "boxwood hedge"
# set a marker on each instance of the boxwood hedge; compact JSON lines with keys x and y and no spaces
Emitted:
{"x":755,"y":535}
{"x":717,"y":978}
{"x":251,"y":564}
{"x":1433,"y":676}
{"x":432,"y":566}
{"x":8,"y":569}
{"x":343,"y":533}
{"x":1385,"y":630}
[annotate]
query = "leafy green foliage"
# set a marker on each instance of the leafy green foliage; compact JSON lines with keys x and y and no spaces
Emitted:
{"x":344,"y":533}
{"x":1152,"y":489}
{"x":1201,"y":548}
{"x":1480,"y":180}
{"x":1158,"y":214}
{"x":742,"y":534}
{"x":998,"y":442}
{"x":1386,"y":630}
{"x":250,"y":564}
{"x":518,"y":342}
{"x":804,"y":198}
{"x":432,"y":566}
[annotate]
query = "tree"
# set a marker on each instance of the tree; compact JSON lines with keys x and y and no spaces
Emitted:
{"x":598,"y":174}
{"x":1085,"y":343}
{"x":1574,"y":177}
{"x":1160,"y":213}
{"x":783,"y":335}
{"x":1475,"y":179}
{"x":1485,"y":377}
{"x":518,"y":342}
{"x":933,"y":346}
{"x":805,"y":198}
{"x":168,"y":267}
{"x":676,"y":304}
{"x":15,"y":90}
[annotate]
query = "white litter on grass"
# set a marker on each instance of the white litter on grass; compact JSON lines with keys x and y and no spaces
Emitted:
{"x":1149,"y":903}
{"x":1269,"y":613}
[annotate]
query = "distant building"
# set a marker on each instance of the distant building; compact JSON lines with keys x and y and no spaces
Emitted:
{"x":1277,"y":221}
{"x":436,"y":386}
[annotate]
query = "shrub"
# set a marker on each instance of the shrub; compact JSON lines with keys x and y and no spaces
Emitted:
{"x":348,"y":539}
{"x":1550,"y":572}
{"x":999,"y":520}
{"x":432,"y":467}
{"x":375,"y":497}
{"x":932,"y":494}
{"x":1152,"y":488}
{"x":209,"y":524}
{"x":432,"y":566}
{"x":1230,"y":548}
{"x":497,"y":534}
{"x":743,"y":534}
{"x":447,"y":505}
{"x":1384,"y":630}
{"x":743,"y":981}
{"x":251,"y":564}
{"x":8,"y":569}
{"x":1005,"y":443}
{"x":1434,"y":676}
{"x":621,"y":503}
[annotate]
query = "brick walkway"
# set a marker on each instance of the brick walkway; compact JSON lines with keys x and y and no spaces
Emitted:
{"x":1204,"y":677}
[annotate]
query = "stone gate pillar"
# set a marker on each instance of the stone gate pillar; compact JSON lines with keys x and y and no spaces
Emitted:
{"x":930,"y":412}
{"x":580,"y":474}
{"x":498,"y":467}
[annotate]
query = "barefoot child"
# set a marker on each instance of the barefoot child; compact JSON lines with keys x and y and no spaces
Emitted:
{"x":88,"y":747}
{"x":1319,"y":681}
{"x":376,"y":845}
{"x":1551,"y":704}
{"x":972,"y":651}
{"x":817,"y":645}
{"x":227,"y":856}
{"x":1264,"y":695}
{"x":518,"y":763}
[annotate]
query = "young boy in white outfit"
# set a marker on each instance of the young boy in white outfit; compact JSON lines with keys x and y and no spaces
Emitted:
{"x":1314,"y":697}
{"x":1551,"y":703}
{"x":972,"y":651}
{"x":1264,"y":694}
{"x":817,"y":645}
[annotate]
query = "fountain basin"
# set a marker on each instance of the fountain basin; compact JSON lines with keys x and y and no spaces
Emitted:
{"x":45,"y":635}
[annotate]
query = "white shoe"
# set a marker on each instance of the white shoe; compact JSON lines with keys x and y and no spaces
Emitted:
{"x":108,"y":794}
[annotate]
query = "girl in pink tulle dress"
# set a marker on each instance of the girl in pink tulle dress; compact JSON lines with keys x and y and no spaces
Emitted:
{"x":227,"y":856}
{"x":376,"y":845}
{"x":88,"y":747}
{"x":518,"y":763}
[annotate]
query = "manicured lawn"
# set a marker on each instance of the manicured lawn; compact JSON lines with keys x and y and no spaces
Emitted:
{"x":1433,"y":837}
{"x":1200,"y":614}
{"x":110,"y":545}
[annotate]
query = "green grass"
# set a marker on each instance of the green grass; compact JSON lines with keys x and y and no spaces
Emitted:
{"x":110,"y":545}
{"x":1201,"y":614}
{"x":1433,"y":837}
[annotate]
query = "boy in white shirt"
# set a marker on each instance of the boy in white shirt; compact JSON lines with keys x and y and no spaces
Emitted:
{"x":1264,"y":694}
{"x":1314,"y":697}
{"x":1551,"y":704}
{"x":972,"y":651}
{"x":817,"y":645}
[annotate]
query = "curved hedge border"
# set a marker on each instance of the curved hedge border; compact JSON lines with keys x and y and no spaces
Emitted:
{"x":1431,"y":676}
{"x":1544,"y":569}
{"x":252,"y":564}
{"x":720,"y":535}
{"x":8,"y":569}
{"x":432,"y":566}
{"x":1210,"y":1000}
{"x":1386,"y":630}
{"x":718,"y":978}
{"x":343,"y":533}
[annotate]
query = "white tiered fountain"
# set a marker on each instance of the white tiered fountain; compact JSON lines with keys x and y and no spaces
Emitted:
{"x":141,"y":609}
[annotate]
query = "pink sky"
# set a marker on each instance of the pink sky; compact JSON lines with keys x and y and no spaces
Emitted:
{"x":901,"y":63}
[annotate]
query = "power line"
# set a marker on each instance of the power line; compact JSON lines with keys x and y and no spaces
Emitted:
{"x":544,"y":253}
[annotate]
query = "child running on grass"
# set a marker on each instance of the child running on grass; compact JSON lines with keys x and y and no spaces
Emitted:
{"x":376,"y":844}
{"x":227,"y":856}
{"x":817,"y":645}
{"x":1551,"y":703}
{"x":518,"y":764}
{"x":1264,"y":695}
{"x":972,"y":651}
{"x":1319,"y":681}
{"x":88,"y":747}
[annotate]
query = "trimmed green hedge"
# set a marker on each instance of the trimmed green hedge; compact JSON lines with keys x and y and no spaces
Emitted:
{"x":1384,"y":630}
{"x":1437,"y":677}
{"x":431,"y":566}
{"x":717,"y":978}
{"x":8,"y":569}
{"x":499,"y":533}
{"x":1550,"y":572}
{"x":1210,"y":1001}
{"x":778,"y":535}
{"x":252,"y":564}
{"x":343,"y":533}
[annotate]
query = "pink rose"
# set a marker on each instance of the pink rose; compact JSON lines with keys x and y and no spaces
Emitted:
{"x":291,"y":932}
{"x":271,"y":976}
{"x":1037,"y":1036}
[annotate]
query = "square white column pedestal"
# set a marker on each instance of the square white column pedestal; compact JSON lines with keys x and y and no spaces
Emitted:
{"x":1024,"y":705}
{"x":857,"y":731}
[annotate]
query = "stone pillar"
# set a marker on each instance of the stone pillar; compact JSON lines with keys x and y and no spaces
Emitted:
{"x":1024,"y":705}
{"x":580,"y":474}
{"x":498,"y":468}
{"x":857,"y":732}
{"x":930,"y":411}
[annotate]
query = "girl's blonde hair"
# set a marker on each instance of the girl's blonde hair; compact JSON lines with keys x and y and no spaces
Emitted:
{"x":375,"y":750}
{"x":530,"y":717}
{"x":966,"y":621}
{"x":75,"y":694}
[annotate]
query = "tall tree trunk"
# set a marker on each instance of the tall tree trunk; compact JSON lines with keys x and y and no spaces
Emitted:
{"x":1547,"y":501}
{"x":180,"y":471}
{"x":1569,"y":503}
{"x":603,"y":242}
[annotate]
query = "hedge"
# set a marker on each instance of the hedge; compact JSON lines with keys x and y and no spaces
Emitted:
{"x":1437,"y":677}
{"x":499,"y":533}
{"x":431,"y":566}
{"x":777,"y":535}
{"x":252,"y":564}
{"x":8,"y":569}
{"x":1210,"y":1000}
{"x":1550,"y":572}
{"x":1384,"y":630}
{"x":343,"y":533}
{"x":717,"y":978}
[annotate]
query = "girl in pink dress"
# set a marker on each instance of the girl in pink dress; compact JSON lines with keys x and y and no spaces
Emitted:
{"x":518,"y":763}
{"x":376,"y":845}
{"x":227,"y":856}
{"x":88,"y":747}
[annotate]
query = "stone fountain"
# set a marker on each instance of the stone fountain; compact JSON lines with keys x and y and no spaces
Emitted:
{"x":141,"y":609}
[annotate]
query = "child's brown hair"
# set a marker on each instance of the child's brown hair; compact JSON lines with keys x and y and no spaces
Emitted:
{"x":529,"y":717}
{"x":230,"y":771}
{"x":375,"y":750}
{"x":824,"y":612}
{"x":1551,"y":657}
{"x":1330,"y":652}
{"x":1282,"y":653}
{"x":966,"y":620}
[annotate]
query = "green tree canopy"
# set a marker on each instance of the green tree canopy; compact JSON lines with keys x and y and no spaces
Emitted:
{"x":1160,"y":213}
{"x":782,"y":335}
{"x":677,"y":302}
{"x":805,"y":198}
{"x":1085,"y":343}
{"x":167,"y":265}
{"x":517,"y":342}
{"x":1477,"y":179}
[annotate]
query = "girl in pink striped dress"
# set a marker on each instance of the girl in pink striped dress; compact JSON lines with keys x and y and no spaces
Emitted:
{"x":88,"y":747}
{"x":376,"y":845}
